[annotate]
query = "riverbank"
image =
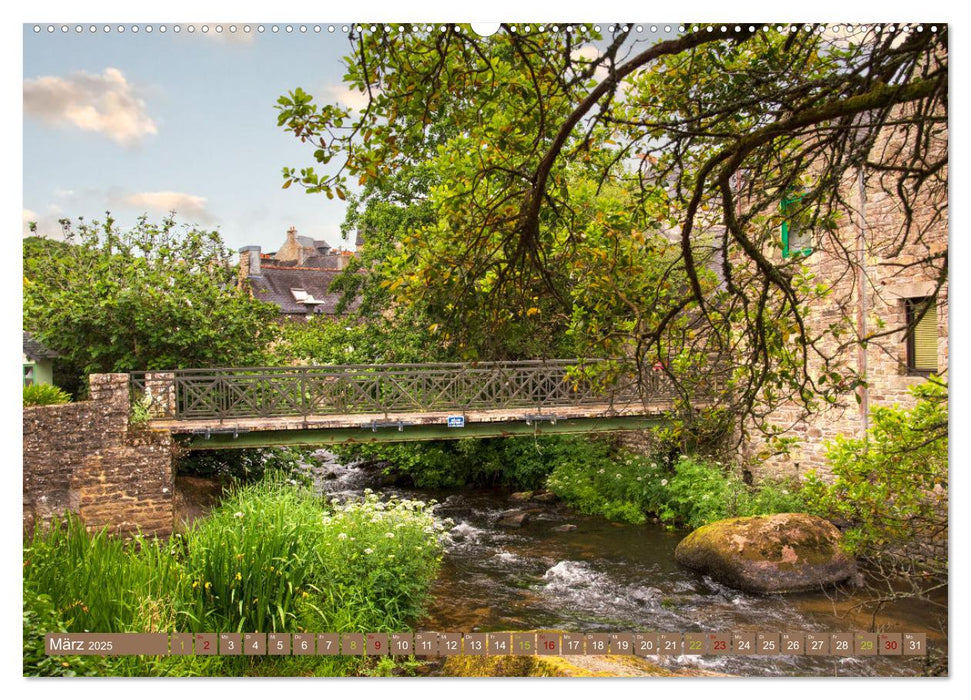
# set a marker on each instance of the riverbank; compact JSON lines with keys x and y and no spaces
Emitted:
{"x":610,"y":577}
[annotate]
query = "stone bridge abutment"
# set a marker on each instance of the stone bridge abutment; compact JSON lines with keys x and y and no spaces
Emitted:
{"x":87,"y":459}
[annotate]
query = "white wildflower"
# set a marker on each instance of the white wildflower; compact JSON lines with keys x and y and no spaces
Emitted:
{"x":238,"y":514}
{"x":664,"y":482}
{"x":342,"y":536}
{"x":368,"y":550}
{"x":389,"y":535}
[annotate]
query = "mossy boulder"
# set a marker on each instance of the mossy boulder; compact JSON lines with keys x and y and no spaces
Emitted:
{"x":782,"y":553}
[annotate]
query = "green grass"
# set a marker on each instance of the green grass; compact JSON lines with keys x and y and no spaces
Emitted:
{"x":271,"y":557}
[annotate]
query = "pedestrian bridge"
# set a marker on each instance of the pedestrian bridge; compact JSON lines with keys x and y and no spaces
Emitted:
{"x":327,"y":405}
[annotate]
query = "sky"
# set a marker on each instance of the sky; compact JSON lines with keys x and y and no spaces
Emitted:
{"x":144,"y":123}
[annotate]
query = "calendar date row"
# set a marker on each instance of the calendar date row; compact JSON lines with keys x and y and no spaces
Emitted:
{"x":434,"y":644}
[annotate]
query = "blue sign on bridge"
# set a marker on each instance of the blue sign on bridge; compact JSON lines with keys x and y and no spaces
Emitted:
{"x":456,"y":421}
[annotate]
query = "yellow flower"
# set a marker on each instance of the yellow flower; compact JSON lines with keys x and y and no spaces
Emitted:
{"x":239,"y":576}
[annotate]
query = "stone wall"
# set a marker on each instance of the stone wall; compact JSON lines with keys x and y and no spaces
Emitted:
{"x":85,"y":459}
{"x":872,"y":294}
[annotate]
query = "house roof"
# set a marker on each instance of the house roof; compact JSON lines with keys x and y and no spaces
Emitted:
{"x":36,"y":350}
{"x":308,"y":242}
{"x":276,"y":282}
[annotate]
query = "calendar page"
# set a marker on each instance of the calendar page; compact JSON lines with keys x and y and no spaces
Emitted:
{"x":512,"y":349}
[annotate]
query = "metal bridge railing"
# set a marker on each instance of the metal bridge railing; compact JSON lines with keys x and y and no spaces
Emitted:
{"x":258,"y":392}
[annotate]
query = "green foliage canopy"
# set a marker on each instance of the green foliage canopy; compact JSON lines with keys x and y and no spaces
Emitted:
{"x":154,"y":296}
{"x":629,"y":201}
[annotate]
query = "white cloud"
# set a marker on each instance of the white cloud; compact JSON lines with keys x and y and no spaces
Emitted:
{"x":28,"y":218}
{"x":588,"y":54}
{"x":237,"y":38}
{"x":353,"y":99}
{"x":188,"y":206}
{"x":107,"y":104}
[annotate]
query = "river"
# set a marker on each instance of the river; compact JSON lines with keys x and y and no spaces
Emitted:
{"x":610,"y":577}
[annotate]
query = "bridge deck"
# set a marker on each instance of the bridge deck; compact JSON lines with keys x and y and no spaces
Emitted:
{"x":331,"y":422}
{"x":408,"y":427}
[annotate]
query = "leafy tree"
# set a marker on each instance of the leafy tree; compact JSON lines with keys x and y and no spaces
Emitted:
{"x":634,"y":196}
{"x":154,"y":296}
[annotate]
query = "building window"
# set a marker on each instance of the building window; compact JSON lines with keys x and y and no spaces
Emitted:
{"x":796,"y":234}
{"x":28,"y":374}
{"x":921,"y":335}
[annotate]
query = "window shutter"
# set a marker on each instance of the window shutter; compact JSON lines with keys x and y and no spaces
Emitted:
{"x":925,"y":341}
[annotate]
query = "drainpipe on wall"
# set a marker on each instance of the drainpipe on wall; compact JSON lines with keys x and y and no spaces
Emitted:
{"x":861,"y":310}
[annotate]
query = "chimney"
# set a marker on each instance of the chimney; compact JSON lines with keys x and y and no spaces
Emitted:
{"x":295,"y":245}
{"x":249,"y":261}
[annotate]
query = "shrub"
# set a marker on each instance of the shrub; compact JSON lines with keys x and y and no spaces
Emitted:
{"x":892,"y":485}
{"x":44,"y":395}
{"x":598,"y":483}
{"x":246,"y":465}
{"x":773,"y":496}
{"x":518,"y":463}
{"x":270,"y":558}
{"x":379,"y":559}
{"x":41,"y":618}
{"x":692,"y":493}
{"x":698,"y":493}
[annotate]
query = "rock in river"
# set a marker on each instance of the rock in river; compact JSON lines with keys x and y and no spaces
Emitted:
{"x":782,"y":553}
{"x":514,"y":519}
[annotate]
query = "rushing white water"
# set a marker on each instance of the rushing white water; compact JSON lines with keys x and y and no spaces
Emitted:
{"x":602,"y":577}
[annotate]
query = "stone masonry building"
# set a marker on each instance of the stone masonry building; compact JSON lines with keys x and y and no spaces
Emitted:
{"x":297,"y":277}
{"x":887,"y":288}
